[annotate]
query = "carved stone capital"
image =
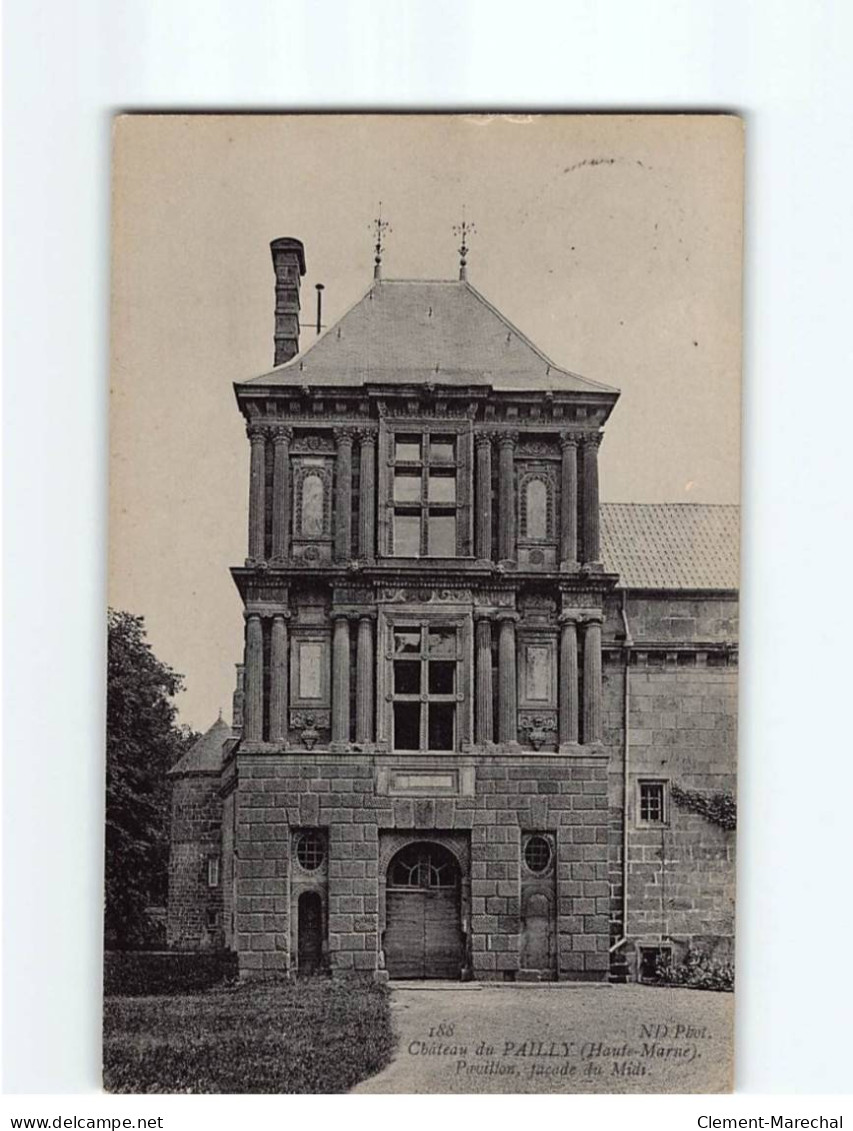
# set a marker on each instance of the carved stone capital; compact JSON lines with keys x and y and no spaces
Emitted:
{"x":592,"y":439}
{"x":366,"y":435}
{"x":345,"y":436}
{"x":502,"y":615}
{"x":507,"y":439}
{"x":569,"y":440}
{"x":281,"y":434}
{"x":257,"y":433}
{"x":483,"y":439}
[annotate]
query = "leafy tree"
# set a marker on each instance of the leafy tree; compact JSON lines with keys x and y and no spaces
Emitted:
{"x":143,"y":742}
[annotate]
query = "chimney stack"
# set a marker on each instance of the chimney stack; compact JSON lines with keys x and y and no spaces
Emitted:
{"x":288,"y":260}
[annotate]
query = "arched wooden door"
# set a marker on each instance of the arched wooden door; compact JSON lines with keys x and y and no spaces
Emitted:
{"x":310,"y":932}
{"x":423,"y":934}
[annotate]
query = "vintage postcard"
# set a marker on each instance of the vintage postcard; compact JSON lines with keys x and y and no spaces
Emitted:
{"x":423,"y":646}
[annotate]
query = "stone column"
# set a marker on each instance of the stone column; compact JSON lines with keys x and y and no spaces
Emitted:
{"x":483,"y":679}
{"x":367,"y":496}
{"x":568,"y":698}
{"x":483,"y":517}
{"x":592,"y":708}
{"x":506,"y":496}
{"x":591,"y":550}
{"x":569,"y":501}
{"x":257,"y":501}
{"x":278,"y":678}
{"x":281,"y":438}
{"x":253,"y":706}
{"x":364,"y":682}
{"x":343,"y":495}
{"x":507,"y":681}
{"x":340,"y":681}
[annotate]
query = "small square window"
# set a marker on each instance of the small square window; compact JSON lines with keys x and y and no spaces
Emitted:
{"x":407,"y":677}
{"x":442,"y":488}
{"x":407,"y":449}
{"x":213,"y":872}
{"x":442,"y":449}
{"x":407,"y":487}
{"x":407,"y":640}
{"x":652,"y":796}
{"x":655,"y":961}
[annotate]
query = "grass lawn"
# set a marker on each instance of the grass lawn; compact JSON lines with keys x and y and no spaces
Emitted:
{"x":311,"y":1036}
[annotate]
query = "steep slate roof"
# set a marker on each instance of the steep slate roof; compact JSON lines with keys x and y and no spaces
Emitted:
{"x":205,"y":756}
{"x":421,"y":331}
{"x":671,"y":545}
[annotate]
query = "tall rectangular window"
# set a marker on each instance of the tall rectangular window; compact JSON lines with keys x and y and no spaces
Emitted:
{"x":425,"y":677}
{"x":424,"y":496}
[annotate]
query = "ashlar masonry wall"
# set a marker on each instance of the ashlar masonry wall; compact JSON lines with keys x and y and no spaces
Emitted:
{"x":682,"y":730}
{"x":350,"y":796}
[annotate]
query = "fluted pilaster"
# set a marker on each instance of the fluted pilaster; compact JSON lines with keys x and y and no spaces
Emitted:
{"x":367,"y":495}
{"x":506,"y":491}
{"x":340,"y":681}
{"x":281,"y":438}
{"x":257,"y":501}
{"x":253,"y":705}
{"x":592,"y":705}
{"x":278,"y":678}
{"x":364,"y":683}
{"x":589,"y":450}
{"x":483,"y":709}
{"x":483,"y":516}
{"x":507,"y":681}
{"x":568,"y":693}
{"x":569,"y":500}
{"x":343,"y":494}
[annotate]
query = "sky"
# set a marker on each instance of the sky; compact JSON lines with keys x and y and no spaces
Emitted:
{"x":613,"y":242}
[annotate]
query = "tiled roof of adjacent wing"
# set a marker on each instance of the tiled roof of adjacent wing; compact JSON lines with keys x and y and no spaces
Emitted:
{"x":205,"y":756}
{"x":421,"y":331}
{"x":671,"y":545}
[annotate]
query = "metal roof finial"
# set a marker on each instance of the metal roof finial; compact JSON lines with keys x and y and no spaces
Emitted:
{"x":464,"y":230}
{"x":380,"y":228}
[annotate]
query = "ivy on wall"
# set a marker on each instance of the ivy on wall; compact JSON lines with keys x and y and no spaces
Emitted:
{"x":719,"y":808}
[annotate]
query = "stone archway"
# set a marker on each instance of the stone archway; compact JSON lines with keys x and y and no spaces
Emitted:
{"x":423,"y":936}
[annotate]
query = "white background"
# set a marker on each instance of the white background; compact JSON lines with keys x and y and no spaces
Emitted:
{"x":785,"y":65}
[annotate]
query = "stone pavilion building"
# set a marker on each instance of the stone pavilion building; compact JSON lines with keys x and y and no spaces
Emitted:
{"x":484,"y":723}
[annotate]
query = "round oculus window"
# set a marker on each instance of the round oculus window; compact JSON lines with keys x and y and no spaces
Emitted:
{"x":310,"y":851}
{"x":537,"y":854}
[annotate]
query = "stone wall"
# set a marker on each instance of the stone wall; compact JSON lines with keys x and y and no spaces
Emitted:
{"x":682,"y":732}
{"x":498,"y":797}
{"x":195,"y":920}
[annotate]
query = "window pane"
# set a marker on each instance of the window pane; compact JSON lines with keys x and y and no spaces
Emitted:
{"x":407,"y":677}
{"x":441,"y":725}
{"x":537,"y":509}
{"x":407,"y":448}
{"x":442,"y":488}
{"x":442,"y":535}
{"x":442,"y":449}
{"x":442,"y":642}
{"x":407,"y":535}
{"x":407,"y":726}
{"x":407,"y":487}
{"x":407,"y":640}
{"x":442,"y":677}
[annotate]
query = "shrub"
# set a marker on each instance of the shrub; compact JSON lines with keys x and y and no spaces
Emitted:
{"x":129,"y":973}
{"x":698,"y":970}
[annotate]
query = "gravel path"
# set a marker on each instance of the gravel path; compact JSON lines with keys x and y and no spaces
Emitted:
{"x":558,"y":1038}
